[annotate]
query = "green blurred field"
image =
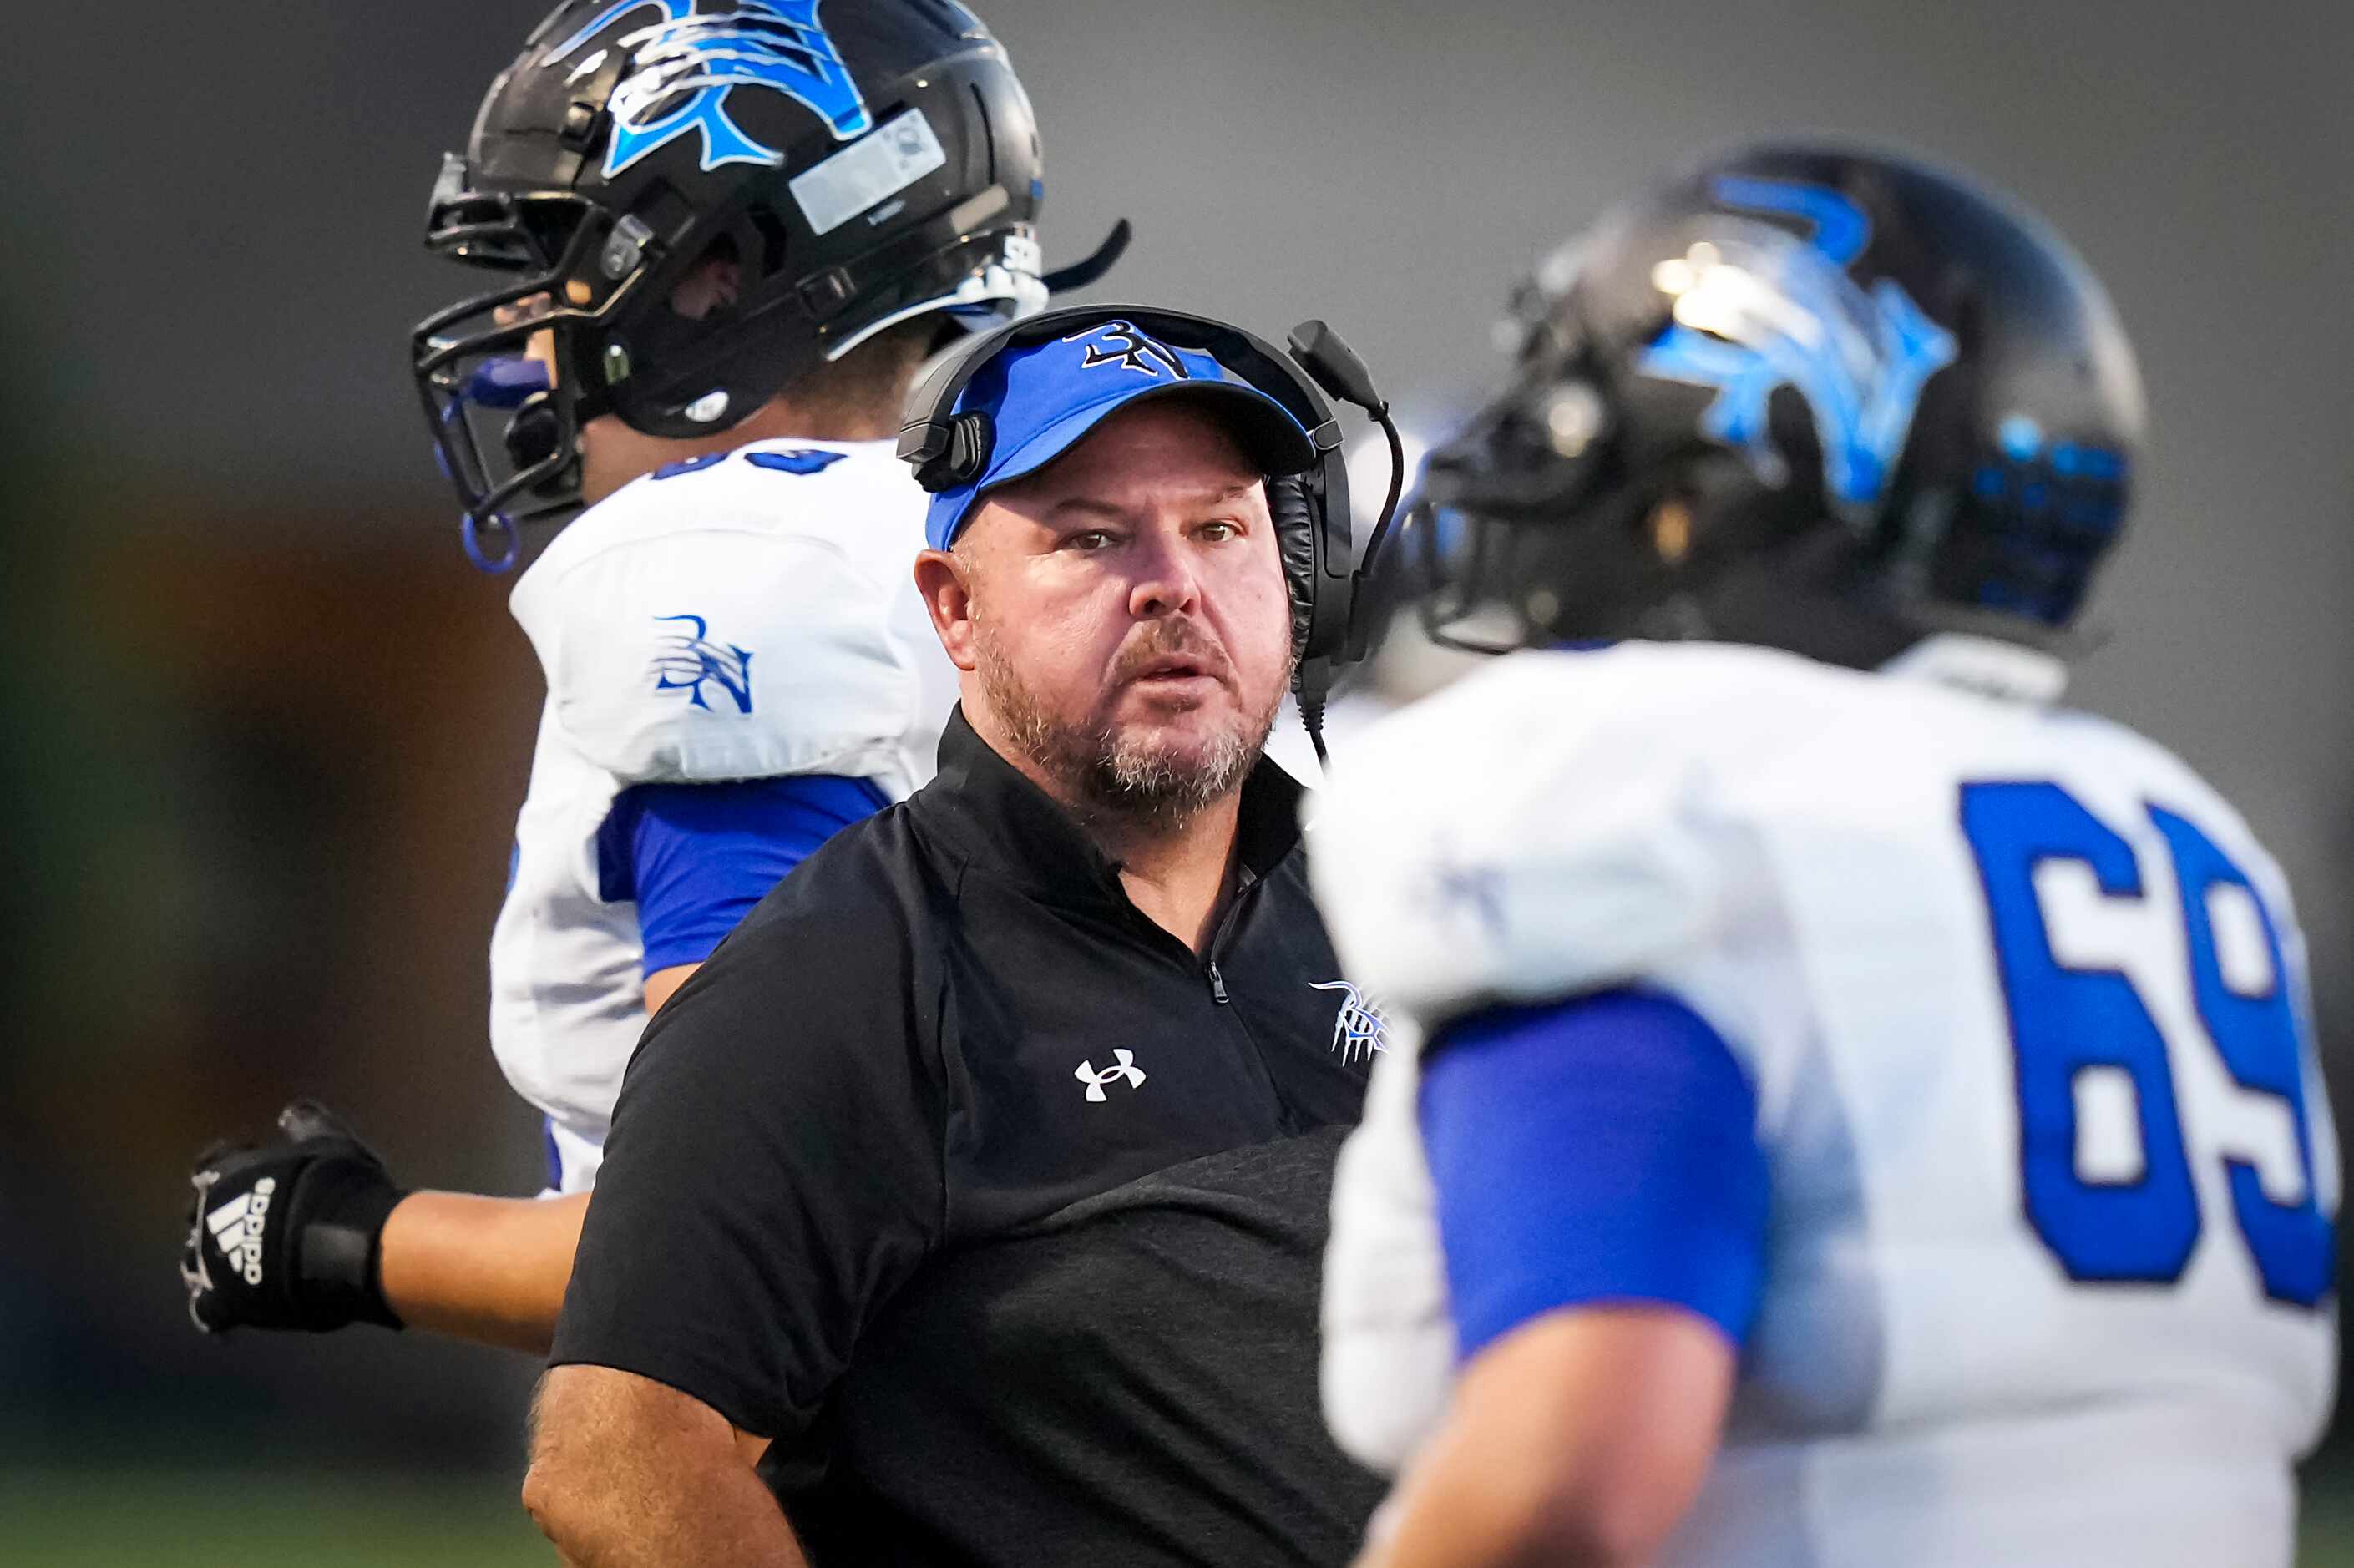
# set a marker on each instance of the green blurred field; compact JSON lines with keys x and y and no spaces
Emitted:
{"x":225,"y":1520}
{"x":2328,"y":1538}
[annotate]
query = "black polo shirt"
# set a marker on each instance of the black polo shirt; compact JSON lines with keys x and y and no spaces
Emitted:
{"x":993,"y":1202}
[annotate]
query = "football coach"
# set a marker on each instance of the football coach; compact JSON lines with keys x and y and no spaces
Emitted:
{"x":967,"y":1205}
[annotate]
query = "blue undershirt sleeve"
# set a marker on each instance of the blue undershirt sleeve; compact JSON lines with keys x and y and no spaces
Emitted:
{"x":696,"y":857}
{"x":1600,"y":1149}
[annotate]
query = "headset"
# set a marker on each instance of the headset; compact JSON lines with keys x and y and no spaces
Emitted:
{"x":948,"y":448}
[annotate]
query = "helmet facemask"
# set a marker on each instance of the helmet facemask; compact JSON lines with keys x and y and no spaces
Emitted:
{"x":506,"y":426}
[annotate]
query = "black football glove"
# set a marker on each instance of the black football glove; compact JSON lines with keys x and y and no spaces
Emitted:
{"x":285,"y":1237}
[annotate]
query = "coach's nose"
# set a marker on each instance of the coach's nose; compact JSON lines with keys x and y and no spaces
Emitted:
{"x":1166,"y":582}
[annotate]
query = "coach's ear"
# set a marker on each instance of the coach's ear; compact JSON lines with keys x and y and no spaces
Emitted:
{"x":946,"y":581}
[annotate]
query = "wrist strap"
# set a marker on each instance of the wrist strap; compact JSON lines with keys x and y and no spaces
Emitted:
{"x":342,"y":1247}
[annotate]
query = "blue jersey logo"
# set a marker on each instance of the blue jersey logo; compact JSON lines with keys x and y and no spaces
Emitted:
{"x":684,"y":65}
{"x":1758,"y":308}
{"x":686,"y":660}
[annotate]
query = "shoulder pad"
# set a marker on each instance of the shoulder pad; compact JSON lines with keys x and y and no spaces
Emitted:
{"x":708,"y":653}
{"x":1543,"y":828}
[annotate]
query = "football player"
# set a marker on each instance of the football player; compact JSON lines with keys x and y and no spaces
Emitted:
{"x":1842,"y":1107}
{"x":728,"y":237}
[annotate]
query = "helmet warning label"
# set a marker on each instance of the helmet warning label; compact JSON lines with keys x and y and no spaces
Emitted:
{"x":868,"y":171}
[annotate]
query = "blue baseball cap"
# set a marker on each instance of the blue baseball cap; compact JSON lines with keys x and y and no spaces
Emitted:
{"x":1041,"y":398}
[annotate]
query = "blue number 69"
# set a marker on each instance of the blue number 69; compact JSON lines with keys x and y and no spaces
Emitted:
{"x":2065,"y":1020}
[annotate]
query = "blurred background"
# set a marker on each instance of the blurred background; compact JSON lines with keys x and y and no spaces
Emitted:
{"x":270,"y":731}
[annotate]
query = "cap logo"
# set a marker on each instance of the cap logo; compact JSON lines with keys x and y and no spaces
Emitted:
{"x":684,"y":65}
{"x":1119,"y":344}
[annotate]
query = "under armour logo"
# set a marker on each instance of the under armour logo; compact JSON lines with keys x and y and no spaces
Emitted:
{"x":1127,"y":1069}
{"x":1359,"y":1030}
{"x":1117,"y":343}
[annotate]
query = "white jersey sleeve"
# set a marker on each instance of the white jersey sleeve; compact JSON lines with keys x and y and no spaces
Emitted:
{"x":1497,"y":845}
{"x":751,"y":615}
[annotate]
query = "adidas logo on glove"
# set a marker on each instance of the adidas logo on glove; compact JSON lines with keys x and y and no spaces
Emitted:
{"x":237,"y":1228}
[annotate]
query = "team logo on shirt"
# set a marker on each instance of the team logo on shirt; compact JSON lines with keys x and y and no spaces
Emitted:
{"x":688,"y":661}
{"x":1359,"y":1030}
{"x":1119,"y":344}
{"x":1123,"y":1066}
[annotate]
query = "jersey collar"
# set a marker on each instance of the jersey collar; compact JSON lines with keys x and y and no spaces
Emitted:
{"x":1982,"y":664}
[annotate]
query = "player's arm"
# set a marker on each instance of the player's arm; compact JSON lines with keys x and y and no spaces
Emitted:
{"x":310,"y":1232}
{"x":1576,"y":1441}
{"x":491,"y":1270}
{"x":1601,"y":1201}
{"x":625,"y":1470}
{"x":695,"y":859}
{"x":662,"y":984}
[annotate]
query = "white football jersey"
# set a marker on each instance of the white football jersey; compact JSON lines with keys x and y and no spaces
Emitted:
{"x":744,"y":616}
{"x":2023,"y":1003}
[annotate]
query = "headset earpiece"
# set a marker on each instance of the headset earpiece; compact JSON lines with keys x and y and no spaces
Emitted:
{"x":1294,"y":514}
{"x":971,"y":436}
{"x":950,"y":452}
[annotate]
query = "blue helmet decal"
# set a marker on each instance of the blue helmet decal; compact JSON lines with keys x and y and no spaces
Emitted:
{"x":1841,"y":231}
{"x":1758,"y":308}
{"x":686,"y":64}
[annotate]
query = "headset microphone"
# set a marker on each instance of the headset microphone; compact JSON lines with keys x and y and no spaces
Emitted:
{"x":1335,"y":368}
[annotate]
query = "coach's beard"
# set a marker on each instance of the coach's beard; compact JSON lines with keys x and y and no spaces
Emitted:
{"x":1101,"y":767}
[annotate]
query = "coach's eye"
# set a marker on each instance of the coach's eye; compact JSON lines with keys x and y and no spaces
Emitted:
{"x":1220,"y":531}
{"x":1093,"y":539}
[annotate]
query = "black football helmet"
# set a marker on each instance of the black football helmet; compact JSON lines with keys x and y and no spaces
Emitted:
{"x":1808,"y":396}
{"x":861,"y":161}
